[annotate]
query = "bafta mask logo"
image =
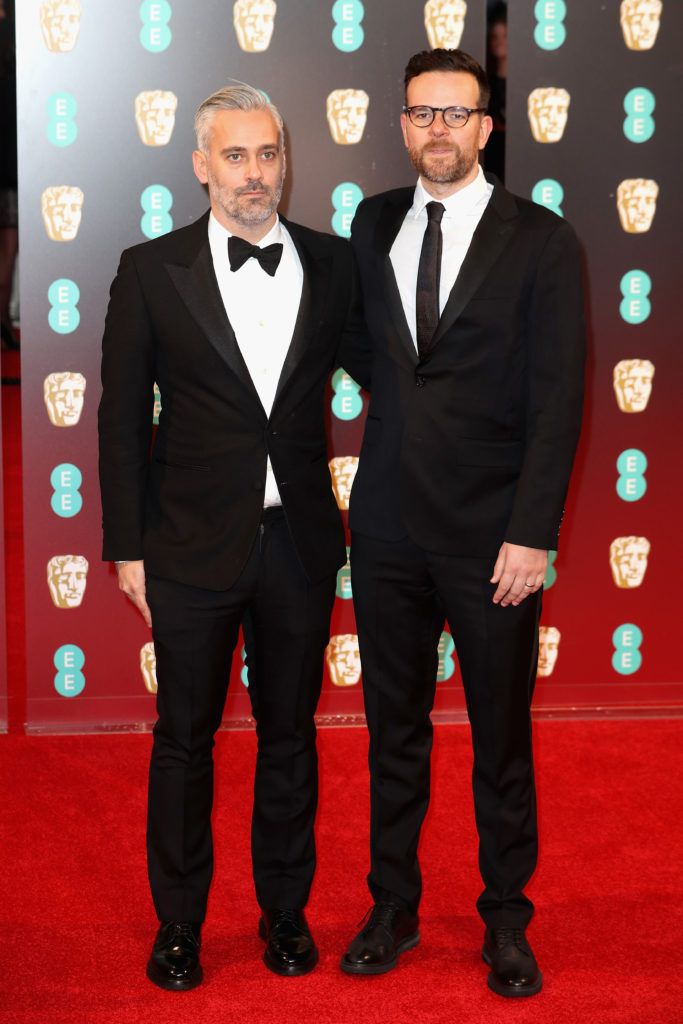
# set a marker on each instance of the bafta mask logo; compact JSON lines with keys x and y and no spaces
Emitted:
{"x":61,"y":207}
{"x":254,"y":21}
{"x":637,"y":204}
{"x":548,"y":110}
{"x":633,"y":384}
{"x":155,"y":116}
{"x":64,"y":394}
{"x":343,"y":659}
{"x":628,"y":559}
{"x":444,"y":22}
{"x":347,"y":114}
{"x":343,"y":470}
{"x":548,"y":647}
{"x":640,"y":21}
{"x":60,"y":21}
{"x":67,"y":576}
{"x":148,"y":667}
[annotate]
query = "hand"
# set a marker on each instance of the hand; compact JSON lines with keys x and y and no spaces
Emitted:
{"x":518,"y":571}
{"x":132,"y":583}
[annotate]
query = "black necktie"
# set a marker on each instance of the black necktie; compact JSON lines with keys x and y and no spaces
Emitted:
{"x":239,"y":251}
{"x":428,"y":273}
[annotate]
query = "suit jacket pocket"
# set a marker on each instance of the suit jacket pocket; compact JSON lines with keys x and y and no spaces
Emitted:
{"x":174,"y":464}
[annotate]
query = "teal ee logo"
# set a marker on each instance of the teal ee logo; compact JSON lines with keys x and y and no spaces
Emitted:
{"x":66,"y":501}
{"x":156,"y":201}
{"x":69,"y":660}
{"x":345,"y":199}
{"x":639,"y":125}
{"x":446,"y":649}
{"x":549,"y":193}
{"x":244,"y":674}
{"x":155,"y":35}
{"x":550,"y":33}
{"x":156,"y":409}
{"x":635,"y":306}
{"x":348,"y":34}
{"x":627,"y":658}
{"x":63,"y":296}
{"x":344,"y":590}
{"x":61,"y":126}
{"x":551,"y":572}
{"x":631,"y":465}
{"x":347,"y":403}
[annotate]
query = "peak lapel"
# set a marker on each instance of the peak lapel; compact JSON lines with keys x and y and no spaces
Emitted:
{"x":489,"y":240}
{"x":198,"y":288}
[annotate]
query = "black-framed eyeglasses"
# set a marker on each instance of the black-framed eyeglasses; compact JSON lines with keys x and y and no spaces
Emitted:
{"x":453,"y":117}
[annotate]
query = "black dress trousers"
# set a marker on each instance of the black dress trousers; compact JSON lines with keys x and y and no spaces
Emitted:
{"x":286,"y":628}
{"x":402,"y":594}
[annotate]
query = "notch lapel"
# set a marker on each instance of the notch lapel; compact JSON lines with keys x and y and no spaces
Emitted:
{"x":198,"y":288}
{"x":388,"y":226}
{"x":490,"y":238}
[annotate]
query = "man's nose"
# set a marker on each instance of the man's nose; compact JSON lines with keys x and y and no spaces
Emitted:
{"x":253,"y":169}
{"x":438,"y":127}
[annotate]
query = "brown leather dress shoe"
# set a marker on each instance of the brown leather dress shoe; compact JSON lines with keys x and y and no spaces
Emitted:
{"x":290,"y":949}
{"x":390,"y":930}
{"x":174,"y":963}
{"x":514,"y":971}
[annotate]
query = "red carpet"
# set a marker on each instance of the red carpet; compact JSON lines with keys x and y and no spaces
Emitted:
{"x":78,"y":922}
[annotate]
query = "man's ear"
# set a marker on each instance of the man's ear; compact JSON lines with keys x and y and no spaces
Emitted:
{"x":199,"y":165}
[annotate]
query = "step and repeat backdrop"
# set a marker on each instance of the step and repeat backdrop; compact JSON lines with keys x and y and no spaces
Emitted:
{"x":106,"y":99}
{"x":3,"y":630}
{"x":107,"y":94}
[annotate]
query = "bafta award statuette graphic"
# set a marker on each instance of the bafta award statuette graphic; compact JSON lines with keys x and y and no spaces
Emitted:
{"x":155,"y":34}
{"x":60,"y":22}
{"x":640,"y":21}
{"x":548,"y":110}
{"x":639,"y":124}
{"x":347,"y":114}
{"x":67,"y":576}
{"x":342,"y":657}
{"x":148,"y":667}
{"x":69,"y":681}
{"x":626,"y":641}
{"x":444,"y":23}
{"x":254,"y":22}
{"x":343,"y":470}
{"x":61,"y":206}
{"x":628,"y":558}
{"x":66,"y":480}
{"x":549,"y":193}
{"x":64,"y":395}
{"x":631,"y":466}
{"x":155,"y":116}
{"x":548,"y":649}
{"x":62,"y":129}
{"x":348,"y":34}
{"x":633,"y":384}
{"x":550,"y":32}
{"x":637,"y":204}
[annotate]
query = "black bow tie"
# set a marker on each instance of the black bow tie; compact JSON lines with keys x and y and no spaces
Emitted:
{"x":239,"y":251}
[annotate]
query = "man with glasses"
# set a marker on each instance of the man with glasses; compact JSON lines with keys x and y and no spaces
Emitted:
{"x":473,"y":302}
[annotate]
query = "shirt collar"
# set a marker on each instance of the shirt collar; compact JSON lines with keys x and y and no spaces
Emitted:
{"x":218,"y":233}
{"x":460,"y":204}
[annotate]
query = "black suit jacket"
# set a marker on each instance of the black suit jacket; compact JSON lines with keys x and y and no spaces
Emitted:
{"x":474,"y":445}
{"x":191,"y":509}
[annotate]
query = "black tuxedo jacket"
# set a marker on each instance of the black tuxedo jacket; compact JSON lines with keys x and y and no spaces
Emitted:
{"x":191,"y":508}
{"x":474,"y":445}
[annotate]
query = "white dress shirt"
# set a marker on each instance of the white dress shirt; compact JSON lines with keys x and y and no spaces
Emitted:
{"x":463,"y":211}
{"x":263,"y":311}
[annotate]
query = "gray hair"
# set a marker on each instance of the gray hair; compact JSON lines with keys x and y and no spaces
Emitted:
{"x":233,"y":97}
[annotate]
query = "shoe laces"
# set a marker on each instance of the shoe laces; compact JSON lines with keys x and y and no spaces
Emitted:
{"x":382,"y":913}
{"x":286,"y":916}
{"x":509,"y":937}
{"x":183,"y":929}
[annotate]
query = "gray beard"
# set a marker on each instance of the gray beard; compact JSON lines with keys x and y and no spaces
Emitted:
{"x":446,"y":170}
{"x":248,"y":213}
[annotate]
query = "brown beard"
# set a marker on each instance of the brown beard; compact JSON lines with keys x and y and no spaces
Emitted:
{"x":446,"y":169}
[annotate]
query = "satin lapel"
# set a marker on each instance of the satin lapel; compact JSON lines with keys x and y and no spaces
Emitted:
{"x":490,"y":238}
{"x":198,"y":288}
{"x":388,"y":226}
{"x":314,"y":291}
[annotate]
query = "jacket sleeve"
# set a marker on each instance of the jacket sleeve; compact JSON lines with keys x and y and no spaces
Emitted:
{"x":355,"y":352}
{"x":555,"y":367}
{"x":125,"y":414}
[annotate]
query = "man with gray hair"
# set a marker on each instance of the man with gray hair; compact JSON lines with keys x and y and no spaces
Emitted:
{"x":231,"y":520}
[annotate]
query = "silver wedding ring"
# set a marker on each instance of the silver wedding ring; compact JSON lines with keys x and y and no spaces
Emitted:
{"x":528,"y":584}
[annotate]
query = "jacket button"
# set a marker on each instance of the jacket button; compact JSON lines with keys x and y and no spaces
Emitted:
{"x":419,"y":380}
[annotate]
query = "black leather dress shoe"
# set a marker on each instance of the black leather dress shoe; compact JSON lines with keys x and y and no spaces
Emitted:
{"x":290,"y":949}
{"x":174,"y":963}
{"x":514,"y":971}
{"x":390,"y":930}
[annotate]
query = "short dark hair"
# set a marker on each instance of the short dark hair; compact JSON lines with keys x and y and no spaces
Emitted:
{"x":449,"y":60}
